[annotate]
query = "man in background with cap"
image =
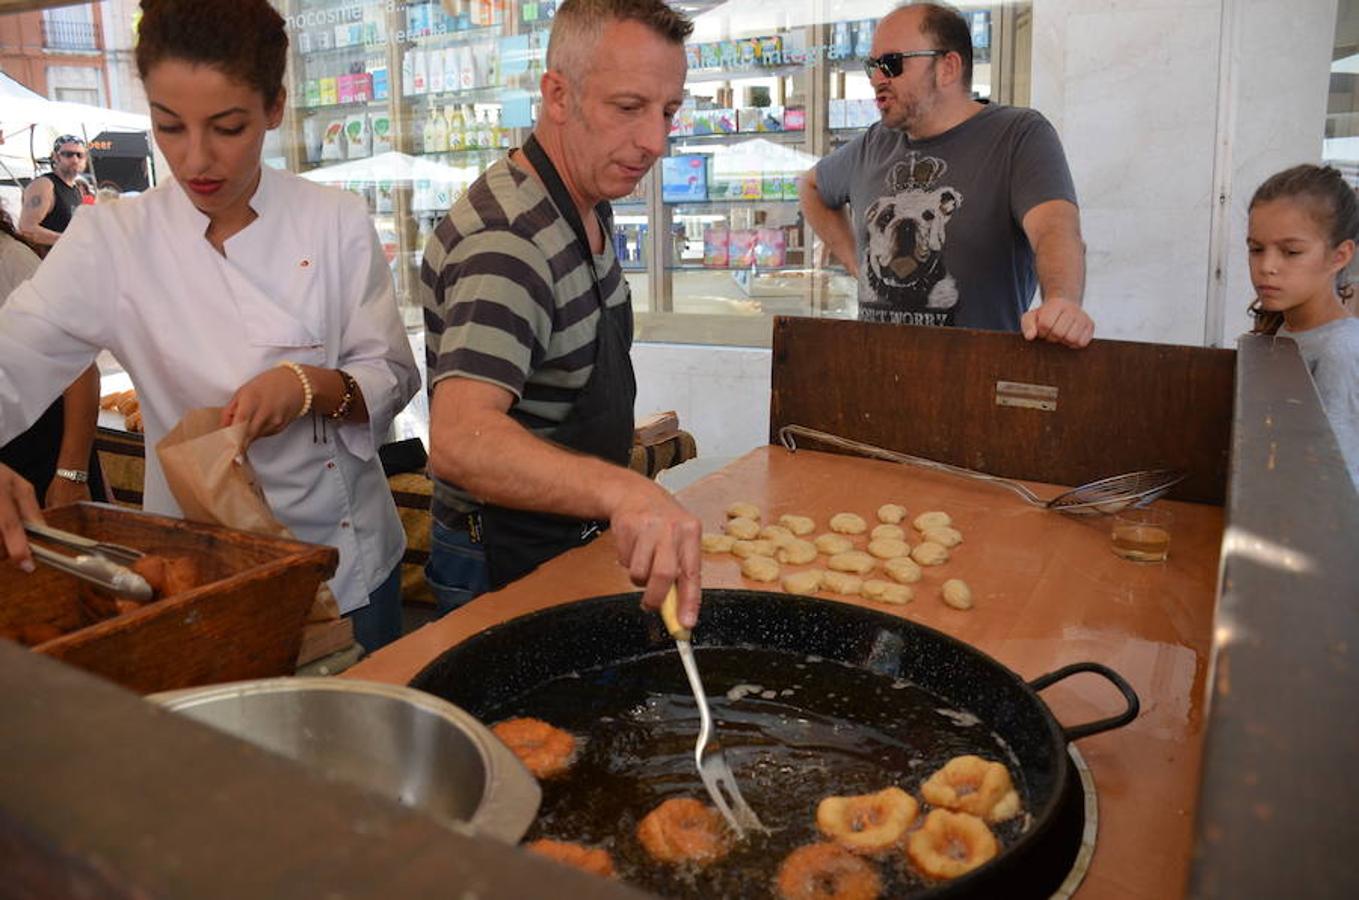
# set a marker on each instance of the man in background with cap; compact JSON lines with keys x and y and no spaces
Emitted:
{"x":51,"y":199}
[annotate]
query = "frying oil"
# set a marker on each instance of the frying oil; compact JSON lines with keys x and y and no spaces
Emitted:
{"x":794,"y":730}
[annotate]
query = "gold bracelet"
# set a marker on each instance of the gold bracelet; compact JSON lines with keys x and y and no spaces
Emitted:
{"x":351,"y":391}
{"x":307,"y":393}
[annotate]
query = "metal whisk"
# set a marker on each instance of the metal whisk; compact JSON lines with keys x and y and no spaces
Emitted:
{"x":1106,"y":496}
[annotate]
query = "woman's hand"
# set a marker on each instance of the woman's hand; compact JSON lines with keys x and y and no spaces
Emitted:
{"x":18,"y":503}
{"x":267,"y":403}
{"x":62,"y":491}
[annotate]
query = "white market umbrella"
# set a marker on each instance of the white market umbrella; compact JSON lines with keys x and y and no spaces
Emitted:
{"x":30,"y":124}
{"x":390,"y":167}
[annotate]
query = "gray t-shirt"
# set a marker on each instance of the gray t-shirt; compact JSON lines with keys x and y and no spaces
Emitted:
{"x":937,"y":222}
{"x":1331,"y":352}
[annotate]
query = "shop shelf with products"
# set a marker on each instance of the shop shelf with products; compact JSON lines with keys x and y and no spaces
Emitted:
{"x":407,"y":103}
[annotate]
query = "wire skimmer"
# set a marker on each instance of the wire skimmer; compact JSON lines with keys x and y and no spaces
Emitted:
{"x":1106,"y":496}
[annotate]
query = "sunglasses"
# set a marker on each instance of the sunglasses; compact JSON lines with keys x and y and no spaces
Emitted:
{"x":891,"y":64}
{"x":73,"y":154}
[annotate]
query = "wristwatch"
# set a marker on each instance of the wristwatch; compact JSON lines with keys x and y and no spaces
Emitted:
{"x":75,"y":475}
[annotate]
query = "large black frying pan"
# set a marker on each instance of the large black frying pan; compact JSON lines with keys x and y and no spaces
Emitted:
{"x":849,"y":700}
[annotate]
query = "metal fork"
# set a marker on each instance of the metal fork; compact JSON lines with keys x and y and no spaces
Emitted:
{"x":708,"y":756}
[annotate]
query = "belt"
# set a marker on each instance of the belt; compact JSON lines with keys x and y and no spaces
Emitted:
{"x":470,"y":522}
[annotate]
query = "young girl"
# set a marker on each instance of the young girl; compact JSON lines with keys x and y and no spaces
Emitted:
{"x":1303,"y":226}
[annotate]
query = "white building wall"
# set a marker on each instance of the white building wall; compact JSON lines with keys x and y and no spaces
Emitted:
{"x":1141,"y":94}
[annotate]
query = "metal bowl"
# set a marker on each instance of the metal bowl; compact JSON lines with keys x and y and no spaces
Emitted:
{"x":396,"y":741}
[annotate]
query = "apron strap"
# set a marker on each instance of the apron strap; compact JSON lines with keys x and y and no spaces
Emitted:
{"x":561,"y":198}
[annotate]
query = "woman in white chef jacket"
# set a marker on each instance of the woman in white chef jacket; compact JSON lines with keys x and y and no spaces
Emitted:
{"x":234,"y":285}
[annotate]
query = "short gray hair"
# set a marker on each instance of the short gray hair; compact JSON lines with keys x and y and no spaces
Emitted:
{"x":578,"y":25}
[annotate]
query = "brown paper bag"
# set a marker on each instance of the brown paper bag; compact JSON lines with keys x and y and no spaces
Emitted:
{"x":212,"y":480}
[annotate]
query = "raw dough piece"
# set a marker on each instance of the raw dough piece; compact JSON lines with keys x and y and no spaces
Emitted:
{"x":903,"y":569}
{"x":928,"y":554}
{"x":743,"y":528}
{"x":760,"y":568}
{"x":887,"y":548}
{"x":891,"y":532}
{"x":848,"y":523}
{"x":747,"y":549}
{"x":717,"y":543}
{"x":842,"y":583}
{"x":891,"y":513}
{"x":944,"y":536}
{"x":856,"y":561}
{"x":798,"y":525}
{"x":743,"y":511}
{"x":796,"y":552}
{"x":777,"y":533}
{"x":927,"y":520}
{"x":808,"y":582}
{"x":887,"y":592}
{"x":831,"y":544}
{"x":957,"y":594}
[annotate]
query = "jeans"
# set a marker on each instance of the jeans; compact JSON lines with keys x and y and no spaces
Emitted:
{"x":456,"y":571}
{"x":379,"y":623}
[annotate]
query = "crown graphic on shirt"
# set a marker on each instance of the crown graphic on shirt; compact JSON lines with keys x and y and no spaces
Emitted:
{"x":917,"y":173}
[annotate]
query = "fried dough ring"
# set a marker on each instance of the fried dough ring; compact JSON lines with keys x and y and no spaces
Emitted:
{"x":950,"y":844}
{"x":578,"y":856}
{"x":683,"y":830}
{"x":826,"y":872}
{"x":868,"y":823}
{"x":973,"y":785}
{"x":545,"y":750}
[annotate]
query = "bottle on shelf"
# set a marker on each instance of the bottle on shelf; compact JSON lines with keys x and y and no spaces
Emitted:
{"x":484,"y":139}
{"x":435,"y":75}
{"x":457,"y":139}
{"x":421,"y":70}
{"x":472,"y":136}
{"x":452,"y":77}
{"x":377,"y":73}
{"x":440,"y":130}
{"x":329,"y":84}
{"x":311,"y":84}
{"x":467,"y":68}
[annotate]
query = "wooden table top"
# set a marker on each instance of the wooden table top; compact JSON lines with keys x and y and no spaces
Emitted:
{"x":1048,"y":591}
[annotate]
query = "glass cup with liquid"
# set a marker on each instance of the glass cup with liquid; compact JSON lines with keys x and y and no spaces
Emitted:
{"x":1142,"y":535}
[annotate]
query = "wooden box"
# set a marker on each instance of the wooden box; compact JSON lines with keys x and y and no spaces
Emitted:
{"x":244,"y":620}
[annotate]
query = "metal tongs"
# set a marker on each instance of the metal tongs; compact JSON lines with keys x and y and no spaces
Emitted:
{"x":712,"y":763}
{"x":99,"y":563}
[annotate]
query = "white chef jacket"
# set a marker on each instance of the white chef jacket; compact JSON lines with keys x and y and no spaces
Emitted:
{"x":306,"y":281}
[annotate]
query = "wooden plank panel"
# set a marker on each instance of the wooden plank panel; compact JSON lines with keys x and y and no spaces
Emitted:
{"x":932,"y":392}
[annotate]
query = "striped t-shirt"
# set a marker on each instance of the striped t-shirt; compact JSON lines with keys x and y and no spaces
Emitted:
{"x":509,"y":300}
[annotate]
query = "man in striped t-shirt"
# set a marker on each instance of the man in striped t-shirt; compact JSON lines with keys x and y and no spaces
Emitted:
{"x":529,"y":324}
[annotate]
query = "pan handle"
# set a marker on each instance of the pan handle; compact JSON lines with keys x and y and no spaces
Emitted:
{"x":1076,"y":732}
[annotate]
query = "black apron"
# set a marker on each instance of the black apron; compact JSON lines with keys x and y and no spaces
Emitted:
{"x":600,"y":422}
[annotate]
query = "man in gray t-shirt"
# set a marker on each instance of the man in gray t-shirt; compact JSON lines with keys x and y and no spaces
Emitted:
{"x":960,"y":209}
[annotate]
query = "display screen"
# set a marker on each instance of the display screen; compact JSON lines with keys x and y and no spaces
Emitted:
{"x":684,"y":179}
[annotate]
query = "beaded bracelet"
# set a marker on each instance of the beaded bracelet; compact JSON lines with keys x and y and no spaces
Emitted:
{"x":351,"y":391}
{"x":307,"y":393}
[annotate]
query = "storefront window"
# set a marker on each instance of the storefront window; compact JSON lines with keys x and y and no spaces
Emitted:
{"x":406,"y":103}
